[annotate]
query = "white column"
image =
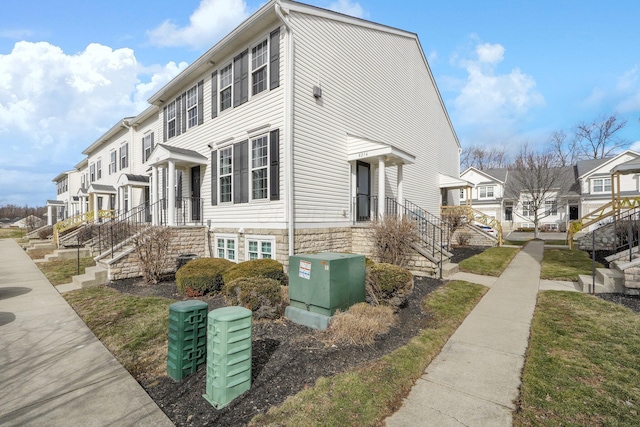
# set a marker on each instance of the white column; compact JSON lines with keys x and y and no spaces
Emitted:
{"x":171,"y":194}
{"x":154,"y":196}
{"x":130,"y":195}
{"x":49,"y":215}
{"x":381,"y":188}
{"x":400,"y":189}
{"x":95,"y":206}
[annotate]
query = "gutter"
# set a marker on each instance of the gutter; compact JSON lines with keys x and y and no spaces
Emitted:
{"x":288,"y":125}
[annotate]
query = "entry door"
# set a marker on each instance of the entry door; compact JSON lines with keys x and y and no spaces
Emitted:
{"x":363,"y":191}
{"x":196,"y":203}
{"x":573,"y":213}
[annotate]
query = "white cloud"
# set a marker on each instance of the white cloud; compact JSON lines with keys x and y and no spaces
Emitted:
{"x":347,"y":7}
{"x":628,"y":89}
{"x":635,"y":146}
{"x":211,"y":21}
{"x":489,"y":98}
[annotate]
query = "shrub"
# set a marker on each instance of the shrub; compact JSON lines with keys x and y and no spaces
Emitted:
{"x":393,"y":239}
{"x":202,"y":275}
{"x":360,"y":324}
{"x":268,"y":268}
{"x":152,"y":248}
{"x":368,"y":262}
{"x":259,"y":294}
{"x":388,"y":284}
{"x":463,"y":238}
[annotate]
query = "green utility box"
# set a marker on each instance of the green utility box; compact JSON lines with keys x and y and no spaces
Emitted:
{"x":187,"y":347}
{"x":228,"y":355}
{"x":325,"y":282}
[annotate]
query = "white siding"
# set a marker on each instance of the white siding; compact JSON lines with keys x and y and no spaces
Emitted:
{"x":375,"y":85}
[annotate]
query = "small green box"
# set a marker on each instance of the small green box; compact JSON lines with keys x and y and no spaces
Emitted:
{"x":325,"y":282}
{"x":228,"y":355}
{"x":187,"y":346}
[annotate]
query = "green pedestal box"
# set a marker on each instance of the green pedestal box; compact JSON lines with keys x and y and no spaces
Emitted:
{"x":228,"y":355}
{"x":187,"y":347}
{"x":325,"y":282}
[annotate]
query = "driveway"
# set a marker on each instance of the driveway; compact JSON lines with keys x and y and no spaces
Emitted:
{"x":520,"y":235}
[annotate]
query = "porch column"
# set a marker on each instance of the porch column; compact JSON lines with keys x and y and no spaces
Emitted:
{"x":130,"y":196}
{"x":49,"y":215}
{"x":95,"y":206}
{"x":154,"y":196}
{"x":171,"y":194}
{"x":381,"y":188}
{"x":400,"y":189}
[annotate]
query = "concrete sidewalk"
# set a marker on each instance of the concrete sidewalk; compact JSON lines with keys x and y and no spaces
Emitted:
{"x":53,"y":370}
{"x":476,"y":378}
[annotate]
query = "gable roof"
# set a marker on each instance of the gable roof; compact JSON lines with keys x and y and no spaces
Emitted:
{"x":499,"y":175}
{"x":568,"y":185}
{"x":586,"y":167}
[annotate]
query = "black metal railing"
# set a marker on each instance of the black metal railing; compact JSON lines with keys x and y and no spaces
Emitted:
{"x":626,"y":232}
{"x":365,"y":208}
{"x":189,"y":210}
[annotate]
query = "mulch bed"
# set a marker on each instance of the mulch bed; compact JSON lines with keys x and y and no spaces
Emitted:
{"x":286,"y":358}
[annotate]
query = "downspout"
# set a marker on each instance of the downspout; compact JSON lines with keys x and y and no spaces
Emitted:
{"x":288,"y":126}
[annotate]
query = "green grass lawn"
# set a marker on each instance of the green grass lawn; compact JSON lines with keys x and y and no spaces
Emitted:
{"x":12,"y":233}
{"x":565,"y":264}
{"x":364,"y":397}
{"x":491,"y":262}
{"x":583,"y":366}
{"x":60,"y":272}
{"x":133,"y":328}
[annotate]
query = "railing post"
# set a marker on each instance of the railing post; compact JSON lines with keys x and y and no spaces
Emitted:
{"x":630,"y":239}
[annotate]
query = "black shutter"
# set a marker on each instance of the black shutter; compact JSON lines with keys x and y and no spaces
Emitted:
{"x":178,"y":187}
{"x":200,"y":102}
{"x":214,"y":94}
{"x":178,"y":115}
{"x":241,"y":172}
{"x":143,"y":159}
{"x":274,"y":61}
{"x":274,"y":167}
{"x":241,"y":78}
{"x":184,"y":112}
{"x":152,"y":143}
{"x":214,"y":178}
{"x":164,"y":125}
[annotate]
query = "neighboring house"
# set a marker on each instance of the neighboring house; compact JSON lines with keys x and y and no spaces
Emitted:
{"x":282,"y":137}
{"x":66,"y":202}
{"x":31,"y":222}
{"x":583,"y":190}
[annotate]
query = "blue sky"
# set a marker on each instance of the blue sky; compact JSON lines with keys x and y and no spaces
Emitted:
{"x":509,"y":71}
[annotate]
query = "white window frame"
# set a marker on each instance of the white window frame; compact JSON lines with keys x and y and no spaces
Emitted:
{"x":171,"y":120}
{"x":113,"y":162}
{"x":257,"y":66}
{"x":146,"y":147}
{"x":486,"y":189}
{"x":225,"y":87}
{"x":124,"y":156}
{"x":98,"y":169}
{"x":226,"y":238}
{"x":228,"y":175}
{"x":602,"y":184}
{"x":254,"y":168}
{"x":462,"y":195}
{"x":527,"y":208}
{"x":260,"y":240}
{"x":192,"y":107}
{"x":551,"y":207}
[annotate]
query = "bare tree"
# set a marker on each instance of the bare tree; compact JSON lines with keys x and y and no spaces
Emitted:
{"x":599,"y":138}
{"x":563,"y":150}
{"x":153,"y":247}
{"x":483,"y":158}
{"x":537,"y":184}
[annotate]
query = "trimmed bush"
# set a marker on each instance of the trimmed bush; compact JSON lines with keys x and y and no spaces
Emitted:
{"x":202,"y":275}
{"x":269,"y":268}
{"x":259,"y":294}
{"x":388,"y":284}
{"x":361,"y":324}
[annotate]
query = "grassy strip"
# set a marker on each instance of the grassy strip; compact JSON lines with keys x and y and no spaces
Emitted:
{"x":515,"y":242}
{"x":12,"y":233}
{"x":582,"y":366}
{"x":491,"y":262}
{"x":365,"y":397}
{"x":59,"y":272}
{"x":565,"y":264}
{"x":39,"y":253}
{"x":133,"y":328}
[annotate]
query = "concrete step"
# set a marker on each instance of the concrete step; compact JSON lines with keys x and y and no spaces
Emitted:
{"x":67,"y":287}
{"x":41,"y":245}
{"x":93,"y":276}
{"x":585,"y":283}
{"x":61,"y":254}
{"x":610,"y":279}
{"x":449,"y":269}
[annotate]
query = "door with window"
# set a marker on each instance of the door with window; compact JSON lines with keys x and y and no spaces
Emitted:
{"x":196,"y":203}
{"x":363,"y":191}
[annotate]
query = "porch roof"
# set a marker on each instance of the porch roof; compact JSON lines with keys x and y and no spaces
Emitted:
{"x":133,"y":180}
{"x":182,"y":157}
{"x":359,"y":148}
{"x":55,"y":203}
{"x":104,"y":189}
{"x":632,"y":166}
{"x":447,"y":181}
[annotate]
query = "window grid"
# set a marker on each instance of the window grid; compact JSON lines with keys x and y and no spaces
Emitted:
{"x":226,"y":79}
{"x":260,"y":249}
{"x":226,"y":248}
{"x":92,"y":172}
{"x":113,"y":165}
{"x":486,"y":192}
{"x":192,"y":107}
{"x":259,"y":163}
{"x":225,"y":175}
{"x":527,"y":208}
{"x":259,"y":59}
{"x":551,"y":207}
{"x":99,"y":169}
{"x":171,"y":119}
{"x":601,"y":185}
{"x":124,"y":161}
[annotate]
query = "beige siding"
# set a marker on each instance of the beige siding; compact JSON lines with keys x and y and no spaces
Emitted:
{"x":375,"y":85}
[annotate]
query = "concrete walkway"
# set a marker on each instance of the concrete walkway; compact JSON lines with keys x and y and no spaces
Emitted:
{"x":476,"y":378}
{"x":53,"y":370}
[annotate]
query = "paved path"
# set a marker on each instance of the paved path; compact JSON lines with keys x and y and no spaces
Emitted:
{"x":476,"y":378}
{"x":53,"y":370}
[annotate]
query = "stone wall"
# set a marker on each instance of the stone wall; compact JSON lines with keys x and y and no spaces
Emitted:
{"x":604,"y":239}
{"x":474,"y":237}
{"x":186,"y":240}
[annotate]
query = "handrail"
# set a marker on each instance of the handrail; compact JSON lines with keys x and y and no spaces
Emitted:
{"x":76,"y":220}
{"x":475,"y":215}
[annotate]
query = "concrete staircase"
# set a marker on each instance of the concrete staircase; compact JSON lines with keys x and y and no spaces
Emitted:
{"x":61,"y":254}
{"x":93,"y":276}
{"x":622,"y":276}
{"x":607,"y":280}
